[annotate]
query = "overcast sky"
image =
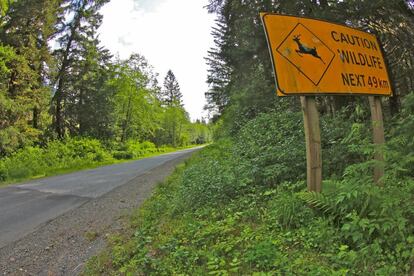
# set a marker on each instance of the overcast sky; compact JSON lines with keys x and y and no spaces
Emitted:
{"x":171,"y":34}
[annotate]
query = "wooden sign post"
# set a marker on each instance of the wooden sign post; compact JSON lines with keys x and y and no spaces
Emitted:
{"x":313,"y":143}
{"x":378,"y":135}
{"x":314,"y":57}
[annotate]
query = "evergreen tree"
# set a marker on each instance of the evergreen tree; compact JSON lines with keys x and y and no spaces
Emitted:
{"x":171,"y":94}
{"x":77,"y":37}
{"x":219,"y":72}
{"x":25,"y":32}
{"x":90,"y":108}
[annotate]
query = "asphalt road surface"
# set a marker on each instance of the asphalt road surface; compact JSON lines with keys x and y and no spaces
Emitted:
{"x":24,"y":207}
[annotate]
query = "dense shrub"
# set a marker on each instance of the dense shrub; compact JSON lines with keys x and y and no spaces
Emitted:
{"x":400,"y":145}
{"x":270,"y":149}
{"x":57,"y":155}
{"x":211,"y":179}
{"x":343,"y":140}
{"x":133,"y":149}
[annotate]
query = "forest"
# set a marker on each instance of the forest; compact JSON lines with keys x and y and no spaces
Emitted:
{"x":66,"y":103}
{"x":241,"y":207}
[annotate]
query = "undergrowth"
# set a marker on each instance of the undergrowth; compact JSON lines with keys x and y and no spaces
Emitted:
{"x":240,"y":207}
{"x":353,"y":228}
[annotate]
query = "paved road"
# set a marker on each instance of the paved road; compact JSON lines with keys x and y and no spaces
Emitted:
{"x":25,"y":207}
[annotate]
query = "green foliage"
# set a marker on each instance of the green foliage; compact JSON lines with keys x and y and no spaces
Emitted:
{"x":171,"y":94}
{"x":16,"y":103}
{"x":136,"y":111}
{"x":133,"y":149}
{"x":344,"y":141}
{"x":210,"y":180}
{"x":400,"y":148}
{"x":4,"y":6}
{"x":270,"y":149}
{"x":199,"y":133}
{"x":288,"y":211}
{"x":174,"y":125}
{"x":57,"y":156}
{"x":24,"y":57}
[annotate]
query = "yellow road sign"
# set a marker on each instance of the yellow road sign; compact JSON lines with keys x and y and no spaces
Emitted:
{"x":317,"y":57}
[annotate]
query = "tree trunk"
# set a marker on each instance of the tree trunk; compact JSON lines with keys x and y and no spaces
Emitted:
{"x":81,"y":118}
{"x":173,"y":135}
{"x":394,"y":104}
{"x":323,"y":3}
{"x":35,"y":122}
{"x":125,"y":124}
{"x":58,"y":118}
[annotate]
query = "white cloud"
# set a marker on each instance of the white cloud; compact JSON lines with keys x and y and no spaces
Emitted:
{"x":147,"y":5}
{"x":171,"y":34}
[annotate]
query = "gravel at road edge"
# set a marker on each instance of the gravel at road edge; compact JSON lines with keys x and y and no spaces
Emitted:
{"x":63,"y":245}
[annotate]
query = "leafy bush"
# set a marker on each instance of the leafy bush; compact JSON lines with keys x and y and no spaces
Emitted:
{"x":270,"y":149}
{"x":288,"y":211}
{"x":343,"y":143}
{"x":210,"y":179}
{"x":120,"y":155}
{"x":57,"y":155}
{"x":133,"y":149}
{"x":400,"y":147}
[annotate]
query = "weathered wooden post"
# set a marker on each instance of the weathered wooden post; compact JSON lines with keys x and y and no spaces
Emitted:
{"x":378,"y":136}
{"x":313,"y":143}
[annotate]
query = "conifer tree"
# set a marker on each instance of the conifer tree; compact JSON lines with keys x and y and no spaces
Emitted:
{"x":171,"y":94}
{"x":77,"y":39}
{"x":25,"y":32}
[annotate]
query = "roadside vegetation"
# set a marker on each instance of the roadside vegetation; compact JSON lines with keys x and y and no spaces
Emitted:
{"x":241,"y":206}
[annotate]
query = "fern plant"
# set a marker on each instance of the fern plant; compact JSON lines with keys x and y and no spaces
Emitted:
{"x":318,"y":201}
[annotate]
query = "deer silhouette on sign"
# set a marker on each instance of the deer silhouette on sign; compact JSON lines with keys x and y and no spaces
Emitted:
{"x":303,"y":50}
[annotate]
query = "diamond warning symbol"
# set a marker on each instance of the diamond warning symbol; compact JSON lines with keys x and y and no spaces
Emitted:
{"x":309,"y":54}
